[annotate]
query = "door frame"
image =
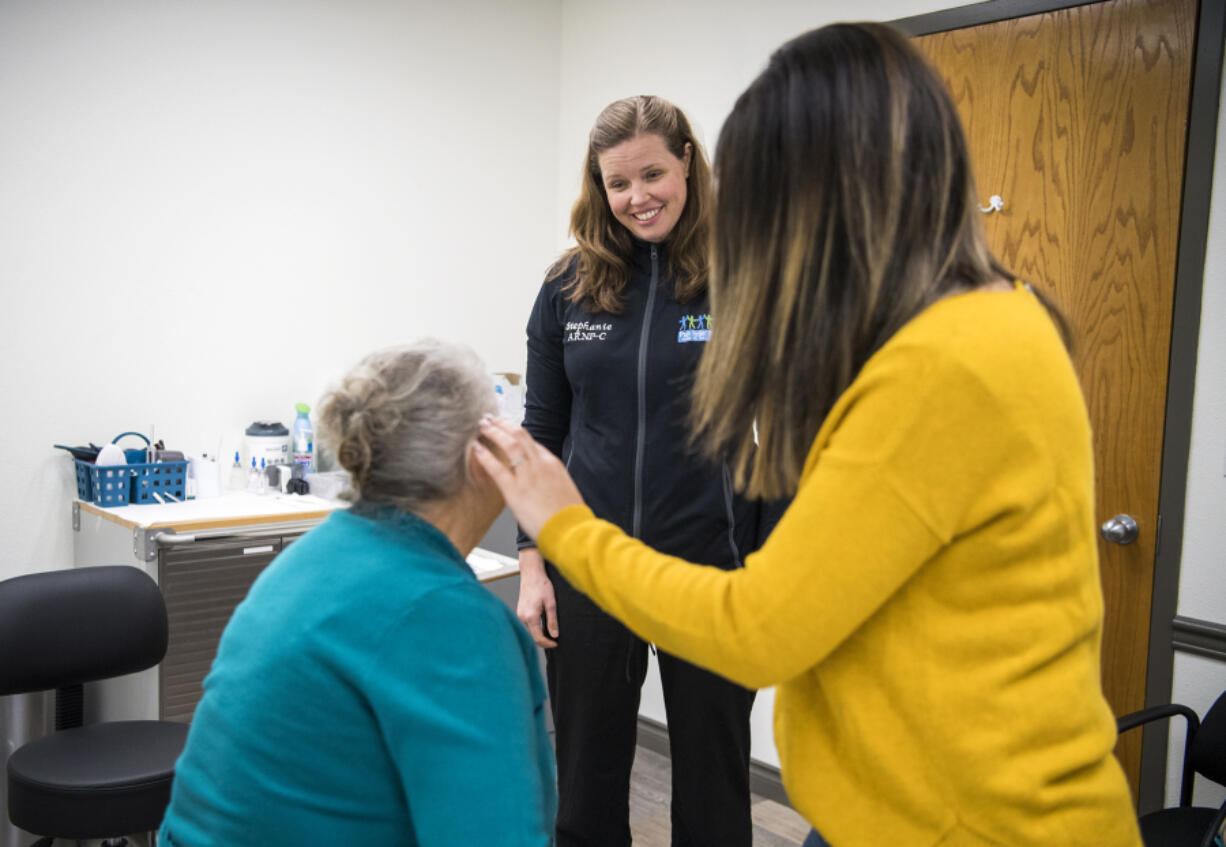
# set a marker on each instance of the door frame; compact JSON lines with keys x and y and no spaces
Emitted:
{"x":1201,"y":146}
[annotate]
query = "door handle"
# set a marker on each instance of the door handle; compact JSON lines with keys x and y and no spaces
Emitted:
{"x":1121,"y":529}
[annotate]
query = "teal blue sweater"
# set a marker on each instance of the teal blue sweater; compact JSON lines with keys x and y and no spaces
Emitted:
{"x":368,"y":690}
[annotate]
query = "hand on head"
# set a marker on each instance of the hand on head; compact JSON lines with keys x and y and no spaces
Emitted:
{"x":534,"y":483}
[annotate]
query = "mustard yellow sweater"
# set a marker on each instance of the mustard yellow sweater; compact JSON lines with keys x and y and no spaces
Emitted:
{"x":929,"y":606}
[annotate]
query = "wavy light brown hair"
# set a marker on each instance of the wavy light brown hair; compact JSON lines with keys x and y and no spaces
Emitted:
{"x":601,"y":255}
{"x":846,"y":205}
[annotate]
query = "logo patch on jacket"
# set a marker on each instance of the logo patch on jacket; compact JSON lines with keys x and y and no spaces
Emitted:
{"x":586,"y":331}
{"x":694,"y":328}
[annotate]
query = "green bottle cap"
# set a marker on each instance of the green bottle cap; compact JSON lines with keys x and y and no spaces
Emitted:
{"x":302,"y":408}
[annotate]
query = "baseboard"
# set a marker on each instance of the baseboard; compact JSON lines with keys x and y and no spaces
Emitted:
{"x":764,"y":779}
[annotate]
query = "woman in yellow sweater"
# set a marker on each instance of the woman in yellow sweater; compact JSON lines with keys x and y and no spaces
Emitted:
{"x":929,"y":606}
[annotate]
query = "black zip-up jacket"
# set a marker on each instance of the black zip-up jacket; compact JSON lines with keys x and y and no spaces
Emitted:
{"x":609,"y":395}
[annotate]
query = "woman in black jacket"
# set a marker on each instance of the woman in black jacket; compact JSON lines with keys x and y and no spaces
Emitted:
{"x":613,"y":341}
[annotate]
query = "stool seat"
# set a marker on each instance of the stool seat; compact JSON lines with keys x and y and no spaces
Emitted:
{"x":106,"y":779}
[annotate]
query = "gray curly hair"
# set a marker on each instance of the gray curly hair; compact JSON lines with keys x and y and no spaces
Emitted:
{"x":402,"y":419}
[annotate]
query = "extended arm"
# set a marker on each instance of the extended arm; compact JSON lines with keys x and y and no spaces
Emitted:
{"x":824,"y":570}
{"x":547,"y":417}
{"x":894,"y":474}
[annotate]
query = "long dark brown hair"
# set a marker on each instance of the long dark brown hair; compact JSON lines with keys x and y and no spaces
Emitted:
{"x":603,"y":246}
{"x":845,"y":206}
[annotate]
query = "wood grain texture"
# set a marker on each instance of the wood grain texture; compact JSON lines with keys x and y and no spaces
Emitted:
{"x":1078,"y":119}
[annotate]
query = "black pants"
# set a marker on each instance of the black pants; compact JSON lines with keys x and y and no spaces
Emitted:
{"x":595,"y":675}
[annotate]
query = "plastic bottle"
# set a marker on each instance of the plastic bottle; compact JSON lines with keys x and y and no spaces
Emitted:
{"x":255,"y":479}
{"x":303,"y":440}
{"x":238,"y":476}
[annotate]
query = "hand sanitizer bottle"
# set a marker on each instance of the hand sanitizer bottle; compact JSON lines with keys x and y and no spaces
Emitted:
{"x":304,"y":440}
{"x":238,"y":476}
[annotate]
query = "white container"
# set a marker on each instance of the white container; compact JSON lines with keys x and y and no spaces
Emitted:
{"x":203,"y":478}
{"x":267,"y":440}
{"x":329,"y":484}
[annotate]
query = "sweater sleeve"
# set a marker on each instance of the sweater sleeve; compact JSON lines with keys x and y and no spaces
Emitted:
{"x":463,"y":725}
{"x":893,"y":475}
{"x":547,"y":396}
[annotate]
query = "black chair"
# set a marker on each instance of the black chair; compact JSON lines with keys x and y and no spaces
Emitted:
{"x":1204,"y":753}
{"x":61,"y":629}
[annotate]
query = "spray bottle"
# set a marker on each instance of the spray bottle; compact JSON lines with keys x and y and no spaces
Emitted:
{"x":303,"y":437}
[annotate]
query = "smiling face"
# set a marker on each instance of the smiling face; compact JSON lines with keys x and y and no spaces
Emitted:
{"x":645,"y":184}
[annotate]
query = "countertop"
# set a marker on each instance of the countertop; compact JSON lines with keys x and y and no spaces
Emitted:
{"x":234,"y":508}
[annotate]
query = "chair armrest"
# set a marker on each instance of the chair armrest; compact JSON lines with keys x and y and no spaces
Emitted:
{"x":1135,"y":719}
{"x":1155,"y":713}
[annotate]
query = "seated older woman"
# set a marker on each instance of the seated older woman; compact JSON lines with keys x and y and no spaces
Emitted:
{"x":369,"y":690}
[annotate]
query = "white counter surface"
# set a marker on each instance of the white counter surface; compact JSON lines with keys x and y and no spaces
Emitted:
{"x":234,"y":508}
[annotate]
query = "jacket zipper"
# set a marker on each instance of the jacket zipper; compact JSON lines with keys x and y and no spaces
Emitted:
{"x":728,"y":507}
{"x":639,"y":441}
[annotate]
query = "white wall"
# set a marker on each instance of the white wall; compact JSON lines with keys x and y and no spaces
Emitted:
{"x":208,"y":210}
{"x":1198,"y":681}
{"x":1202,"y":579}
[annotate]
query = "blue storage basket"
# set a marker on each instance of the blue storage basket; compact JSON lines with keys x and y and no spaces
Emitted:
{"x":85,"y":488}
{"x":106,"y":485}
{"x":164,"y":478}
{"x":119,"y":485}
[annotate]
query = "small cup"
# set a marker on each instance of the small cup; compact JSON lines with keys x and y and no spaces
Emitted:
{"x":206,"y":474}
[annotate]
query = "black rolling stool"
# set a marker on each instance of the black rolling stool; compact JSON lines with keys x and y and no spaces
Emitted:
{"x":61,"y":629}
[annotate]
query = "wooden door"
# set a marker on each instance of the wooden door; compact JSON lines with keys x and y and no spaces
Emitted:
{"x":1077,"y":119}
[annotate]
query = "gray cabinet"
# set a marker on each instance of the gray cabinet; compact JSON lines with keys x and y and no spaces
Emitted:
{"x":205,"y":560}
{"x":203,"y":582}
